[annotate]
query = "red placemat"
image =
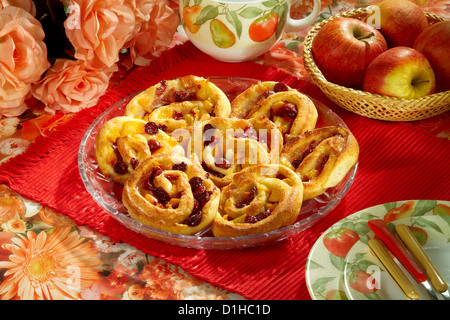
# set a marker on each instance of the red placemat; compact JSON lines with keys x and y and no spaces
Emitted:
{"x":397,"y":162}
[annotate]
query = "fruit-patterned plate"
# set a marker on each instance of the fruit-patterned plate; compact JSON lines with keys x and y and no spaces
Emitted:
{"x":340,"y":266}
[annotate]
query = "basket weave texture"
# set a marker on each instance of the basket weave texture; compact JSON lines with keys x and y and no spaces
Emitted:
{"x":367,"y":104}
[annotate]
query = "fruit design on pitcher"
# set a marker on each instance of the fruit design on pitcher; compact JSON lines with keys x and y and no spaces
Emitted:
{"x":226,"y":25}
{"x":190,"y":15}
{"x":221,"y":35}
{"x":264,"y":27}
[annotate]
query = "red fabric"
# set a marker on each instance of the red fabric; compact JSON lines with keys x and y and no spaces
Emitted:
{"x":397,"y":162}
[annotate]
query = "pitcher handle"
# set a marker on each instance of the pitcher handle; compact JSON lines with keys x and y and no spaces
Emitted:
{"x":296,"y":25}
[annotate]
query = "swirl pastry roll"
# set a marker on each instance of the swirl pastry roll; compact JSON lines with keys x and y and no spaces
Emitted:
{"x":291,"y":111}
{"x":170,"y":193}
{"x":322,"y":157}
{"x":243,"y":104}
{"x":123,"y":142}
{"x":259,"y":199}
{"x":185,"y":99}
{"x":226,"y":146}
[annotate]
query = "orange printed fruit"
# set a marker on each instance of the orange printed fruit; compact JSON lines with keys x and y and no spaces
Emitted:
{"x":336,"y":295}
{"x":363,"y":282}
{"x":441,"y":210}
{"x":402,"y":212}
{"x":221,"y":35}
{"x":420,"y":234}
{"x":264,"y":27}
{"x":190,"y":15}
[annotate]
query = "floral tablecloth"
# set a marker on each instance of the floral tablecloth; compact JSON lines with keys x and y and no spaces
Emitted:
{"x":38,"y":244}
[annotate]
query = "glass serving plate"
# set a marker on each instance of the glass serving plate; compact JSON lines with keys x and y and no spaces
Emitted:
{"x":108,"y":194}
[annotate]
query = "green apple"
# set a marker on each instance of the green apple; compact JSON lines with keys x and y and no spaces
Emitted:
{"x":400,"y":72}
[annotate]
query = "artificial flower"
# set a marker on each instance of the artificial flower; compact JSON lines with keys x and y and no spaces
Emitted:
{"x":8,"y":126}
{"x":70,"y":86}
{"x":52,"y":267}
{"x":27,"y":5}
{"x":13,"y":146}
{"x":156,"y":23}
{"x":23,"y":58}
{"x":5,"y":238}
{"x":135,"y":292}
{"x":11,"y":207}
{"x":55,"y":219}
{"x":102,"y":289}
{"x":15,"y":226}
{"x":98,"y":30}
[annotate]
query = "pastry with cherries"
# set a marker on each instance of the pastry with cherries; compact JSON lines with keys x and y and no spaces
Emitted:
{"x":179,"y":102}
{"x":123,"y":142}
{"x":171,"y":193}
{"x":291,"y":111}
{"x":259,"y":199}
{"x":225,"y":146}
{"x":321,"y":157}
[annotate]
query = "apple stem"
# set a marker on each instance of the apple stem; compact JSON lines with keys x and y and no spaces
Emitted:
{"x":367,"y":36}
{"x":415,"y":82}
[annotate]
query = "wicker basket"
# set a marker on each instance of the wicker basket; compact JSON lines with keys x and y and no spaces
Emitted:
{"x":373,"y":105}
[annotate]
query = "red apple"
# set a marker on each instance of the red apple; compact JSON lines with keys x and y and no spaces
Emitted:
{"x":344,"y":47}
{"x":434,"y":43}
{"x":401,"y":22}
{"x":400,"y":72}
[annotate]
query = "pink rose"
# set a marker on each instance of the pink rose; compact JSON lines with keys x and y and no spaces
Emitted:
{"x":27,"y":5}
{"x":70,"y":86}
{"x":98,"y":30}
{"x":156,"y":24}
{"x":23,"y":58}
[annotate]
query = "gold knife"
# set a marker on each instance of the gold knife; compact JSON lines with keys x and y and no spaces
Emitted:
{"x":381,"y":252}
{"x":411,"y":243}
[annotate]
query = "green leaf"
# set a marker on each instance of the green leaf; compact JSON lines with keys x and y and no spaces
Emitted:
{"x":446,"y":219}
{"x":349,"y":225}
{"x":362,"y":228}
{"x":186,"y":3}
{"x":314,"y":265}
{"x":359,"y":255}
{"x":197,"y":2}
{"x":365,"y":264}
{"x":233,"y":19}
{"x":293,"y":46}
{"x":281,"y":11}
{"x":367,"y":216}
{"x":337,"y":262}
{"x":364,"y":239}
{"x":427,"y":223}
{"x":250,"y":12}
{"x":372,"y":296}
{"x":389,"y":206}
{"x":270,"y":3}
{"x":207,"y":13}
{"x":423,"y":206}
{"x":320,"y":284}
